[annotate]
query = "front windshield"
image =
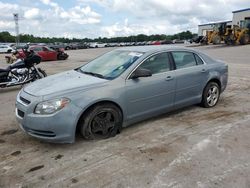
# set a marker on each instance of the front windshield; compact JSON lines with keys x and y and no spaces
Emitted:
{"x":111,"y":64}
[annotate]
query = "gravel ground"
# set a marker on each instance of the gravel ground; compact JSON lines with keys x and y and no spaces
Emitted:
{"x":192,"y":147}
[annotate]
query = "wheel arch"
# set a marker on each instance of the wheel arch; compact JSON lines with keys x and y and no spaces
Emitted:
{"x":216,"y":80}
{"x":94,"y":104}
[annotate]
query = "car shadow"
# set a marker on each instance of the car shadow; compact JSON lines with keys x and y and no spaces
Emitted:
{"x":162,"y":116}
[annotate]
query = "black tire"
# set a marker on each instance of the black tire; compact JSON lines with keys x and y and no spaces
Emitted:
{"x":230,"y":40}
{"x":101,"y":121}
{"x":216,"y":40}
{"x":62,"y":56}
{"x":9,"y":51}
{"x":40,"y":74}
{"x":244,"y":39}
{"x":211,"y":95}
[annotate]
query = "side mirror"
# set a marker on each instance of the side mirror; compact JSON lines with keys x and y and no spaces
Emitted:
{"x":140,"y":72}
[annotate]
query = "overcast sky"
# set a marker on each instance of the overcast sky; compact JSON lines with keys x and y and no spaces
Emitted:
{"x":108,"y":18}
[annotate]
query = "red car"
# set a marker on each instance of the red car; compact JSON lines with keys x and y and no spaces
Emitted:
{"x":46,"y":53}
{"x":156,"y":43}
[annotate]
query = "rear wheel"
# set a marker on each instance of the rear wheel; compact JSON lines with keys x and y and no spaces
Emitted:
{"x":102,"y":121}
{"x":211,"y":95}
{"x":62,"y":56}
{"x":244,"y":39}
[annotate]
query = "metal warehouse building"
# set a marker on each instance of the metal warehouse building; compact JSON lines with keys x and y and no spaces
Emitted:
{"x":238,"y":16}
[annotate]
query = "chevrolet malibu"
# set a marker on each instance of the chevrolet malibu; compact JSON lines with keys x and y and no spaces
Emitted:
{"x":117,"y":89}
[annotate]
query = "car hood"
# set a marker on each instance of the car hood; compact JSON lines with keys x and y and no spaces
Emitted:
{"x":63,"y":83}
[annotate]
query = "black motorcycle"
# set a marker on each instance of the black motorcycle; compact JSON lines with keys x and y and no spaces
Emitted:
{"x":22,"y":71}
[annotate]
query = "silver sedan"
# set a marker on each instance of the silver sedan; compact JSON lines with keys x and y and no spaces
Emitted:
{"x":117,"y":89}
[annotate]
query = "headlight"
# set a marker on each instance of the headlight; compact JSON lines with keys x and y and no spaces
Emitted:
{"x":51,"y":106}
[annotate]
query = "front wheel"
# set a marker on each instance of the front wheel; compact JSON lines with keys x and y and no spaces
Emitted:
{"x":102,"y":121}
{"x":216,"y":40}
{"x":62,"y":56}
{"x":244,"y":39}
{"x":211,"y":95}
{"x":39,"y":74}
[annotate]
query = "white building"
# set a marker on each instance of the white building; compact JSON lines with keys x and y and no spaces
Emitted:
{"x":238,"y":17}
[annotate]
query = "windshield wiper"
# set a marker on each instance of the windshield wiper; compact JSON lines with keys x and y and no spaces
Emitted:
{"x":93,"y":74}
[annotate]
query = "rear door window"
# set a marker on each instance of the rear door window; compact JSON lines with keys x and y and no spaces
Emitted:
{"x":183,"y":59}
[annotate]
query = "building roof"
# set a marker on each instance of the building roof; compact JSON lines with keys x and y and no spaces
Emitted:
{"x":211,"y":23}
{"x":242,"y":10}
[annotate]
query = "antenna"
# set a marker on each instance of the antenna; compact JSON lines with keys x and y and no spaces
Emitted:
{"x":16,"y":18}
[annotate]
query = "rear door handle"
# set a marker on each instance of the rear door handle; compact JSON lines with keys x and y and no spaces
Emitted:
{"x":169,"y":78}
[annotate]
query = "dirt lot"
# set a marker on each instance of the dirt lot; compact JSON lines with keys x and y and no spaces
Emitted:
{"x":192,"y":147}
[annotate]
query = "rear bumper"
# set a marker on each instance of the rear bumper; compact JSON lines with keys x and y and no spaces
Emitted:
{"x":224,"y":80}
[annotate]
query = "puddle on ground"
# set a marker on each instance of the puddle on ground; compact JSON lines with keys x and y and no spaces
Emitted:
{"x":59,"y":156}
{"x":36,"y":168}
{"x":73,"y":180}
{"x":16,"y":153}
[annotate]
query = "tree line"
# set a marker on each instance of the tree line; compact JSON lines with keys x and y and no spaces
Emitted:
{"x":24,"y":38}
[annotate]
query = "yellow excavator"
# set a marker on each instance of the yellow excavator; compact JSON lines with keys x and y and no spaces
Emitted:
{"x":217,"y":34}
{"x":229,"y":34}
{"x":238,"y":34}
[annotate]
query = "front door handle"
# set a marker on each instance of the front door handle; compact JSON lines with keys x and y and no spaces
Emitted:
{"x":168,"y":78}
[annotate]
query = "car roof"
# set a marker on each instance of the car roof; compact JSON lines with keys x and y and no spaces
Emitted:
{"x":145,"y":49}
{"x":159,"y":48}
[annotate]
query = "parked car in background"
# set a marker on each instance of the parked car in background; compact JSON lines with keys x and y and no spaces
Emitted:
{"x":19,"y":47}
{"x":5,"y":48}
{"x":166,"y":42}
{"x":117,"y":89}
{"x":178,"y":41}
{"x":47,"y":53}
{"x":82,"y":45}
{"x":196,"y":39}
{"x":112,"y":44}
{"x":156,"y":43}
{"x":97,"y":45}
{"x":55,"y":46}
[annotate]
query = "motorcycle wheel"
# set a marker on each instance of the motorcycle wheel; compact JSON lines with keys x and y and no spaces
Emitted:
{"x":41,"y":73}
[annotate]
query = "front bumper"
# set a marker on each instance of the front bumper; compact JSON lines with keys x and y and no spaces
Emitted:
{"x":58,"y":127}
{"x":224,"y":80}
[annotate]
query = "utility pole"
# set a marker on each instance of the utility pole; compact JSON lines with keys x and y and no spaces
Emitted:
{"x":16,"y":18}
